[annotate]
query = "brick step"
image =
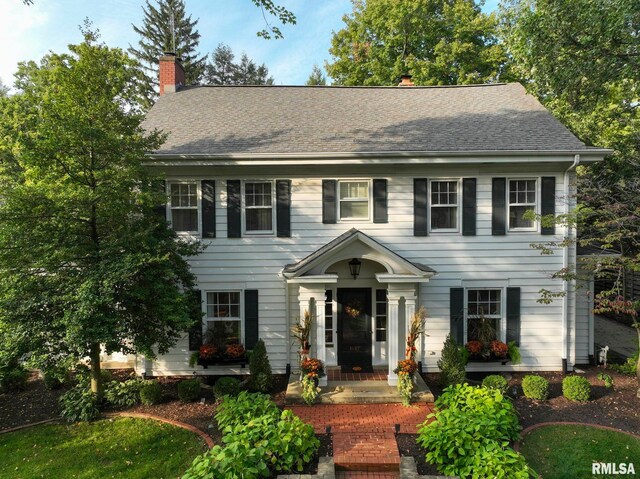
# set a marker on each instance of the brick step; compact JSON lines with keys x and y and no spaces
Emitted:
{"x":366,"y":452}
{"x":366,"y":475}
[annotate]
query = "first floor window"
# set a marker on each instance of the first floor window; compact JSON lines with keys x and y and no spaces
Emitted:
{"x":484,"y":314}
{"x":522,"y":199}
{"x":184,"y":207}
{"x":354,"y":200}
{"x":258,"y":207}
{"x":381,"y":315}
{"x":224,"y":323}
{"x":444,"y":205}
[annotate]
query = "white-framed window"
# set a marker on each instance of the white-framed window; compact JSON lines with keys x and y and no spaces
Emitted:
{"x":258,"y":201}
{"x":184,"y":206}
{"x":444,"y":205}
{"x":484,"y":311}
{"x":224,"y":317}
{"x":381,"y":315}
{"x":328,"y":318}
{"x":522,"y":198}
{"x":354,"y":200}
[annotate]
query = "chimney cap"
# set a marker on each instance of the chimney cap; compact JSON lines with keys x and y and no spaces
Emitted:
{"x":405,"y":80}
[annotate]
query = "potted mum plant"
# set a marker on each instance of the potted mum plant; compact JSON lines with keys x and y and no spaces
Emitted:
{"x":311,"y":370}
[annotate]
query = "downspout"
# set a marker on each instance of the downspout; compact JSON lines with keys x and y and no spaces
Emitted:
{"x":287,"y":314}
{"x":565,"y":266}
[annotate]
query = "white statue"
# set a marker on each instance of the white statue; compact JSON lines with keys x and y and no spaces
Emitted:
{"x":602,"y":355}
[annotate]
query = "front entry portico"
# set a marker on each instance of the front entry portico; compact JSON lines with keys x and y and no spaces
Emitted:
{"x":361,"y":320}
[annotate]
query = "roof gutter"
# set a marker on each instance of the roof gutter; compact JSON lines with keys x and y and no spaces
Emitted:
{"x":565,"y":266}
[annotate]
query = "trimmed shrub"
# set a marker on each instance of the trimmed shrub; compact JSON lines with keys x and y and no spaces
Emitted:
{"x":125,"y":393}
{"x":13,"y":378}
{"x":470,"y":424}
{"x":189,"y":390}
{"x":150,"y":393}
{"x":261,"y":378}
{"x":55,"y":377}
{"x":495,"y":381}
{"x":535,"y":387}
{"x":451,"y":363}
{"x":226,"y":386}
{"x":79,"y":404}
{"x":576,"y":388}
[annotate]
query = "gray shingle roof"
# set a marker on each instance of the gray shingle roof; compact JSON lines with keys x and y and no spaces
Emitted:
{"x":228,"y":120}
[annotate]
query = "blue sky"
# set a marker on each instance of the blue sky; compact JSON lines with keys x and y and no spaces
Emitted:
{"x":29,"y":32}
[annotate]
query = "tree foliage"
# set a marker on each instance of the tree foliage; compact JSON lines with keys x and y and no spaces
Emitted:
{"x":439,"y":42}
{"x":283,"y":15}
{"x":85,"y":259}
{"x":223,"y":70}
{"x":167,"y":28}
{"x":316,"y":78}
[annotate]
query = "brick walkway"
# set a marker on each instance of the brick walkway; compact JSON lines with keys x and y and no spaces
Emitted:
{"x":364,"y":444}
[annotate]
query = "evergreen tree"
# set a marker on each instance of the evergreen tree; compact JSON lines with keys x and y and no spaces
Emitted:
{"x":158,"y":37}
{"x":222,"y":70}
{"x":439,"y":42}
{"x":4,"y":90}
{"x":316,"y":77}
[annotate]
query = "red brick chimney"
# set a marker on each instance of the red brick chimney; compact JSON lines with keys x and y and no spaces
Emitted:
{"x":171,"y":75}
{"x":405,"y":80}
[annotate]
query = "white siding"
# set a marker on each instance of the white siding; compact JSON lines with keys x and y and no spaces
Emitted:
{"x":255,"y":262}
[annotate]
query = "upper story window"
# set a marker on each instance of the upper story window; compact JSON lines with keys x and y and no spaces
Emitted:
{"x":444,"y":205}
{"x":354,"y":200}
{"x":184,"y":206}
{"x":522,"y":199}
{"x":484,"y":313}
{"x":258,"y":207}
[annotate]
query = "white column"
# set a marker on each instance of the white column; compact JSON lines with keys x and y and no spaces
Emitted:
{"x":392,"y":337}
{"x":321,"y":352}
{"x":409,"y":311}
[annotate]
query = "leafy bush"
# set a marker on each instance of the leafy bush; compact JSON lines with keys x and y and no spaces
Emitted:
{"x":125,"y":393}
{"x":259,"y":441}
{"x":535,"y":387}
{"x":189,"y":390}
{"x":493,"y":460}
{"x":226,"y":386}
{"x":150,"y":393}
{"x":13,"y":378}
{"x":468,"y":421}
{"x":630,"y":366}
{"x":576,"y":388}
{"x":514,"y":353}
{"x":495,"y":381}
{"x":79,"y":404}
{"x":241,"y":409}
{"x":83,"y":375}
{"x":606,"y":379}
{"x":55,"y":377}
{"x":451,"y":363}
{"x":261,"y":378}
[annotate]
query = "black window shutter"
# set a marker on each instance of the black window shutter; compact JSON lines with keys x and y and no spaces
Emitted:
{"x":548,"y":202}
{"x":469,"y":203}
{"x":329,"y":199}
{"x":208,"y":188}
{"x":161,"y":209}
{"x":499,"y":206}
{"x":283,"y":208}
{"x":250,"y":318}
{"x":456,"y":314}
{"x":380,"y":214}
{"x":420,"y":207}
{"x":234,"y":216}
{"x":513,"y":315}
{"x":195,"y":332}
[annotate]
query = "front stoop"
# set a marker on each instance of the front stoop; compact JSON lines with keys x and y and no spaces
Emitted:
{"x":357,"y":392}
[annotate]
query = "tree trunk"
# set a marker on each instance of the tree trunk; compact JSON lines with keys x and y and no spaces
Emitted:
{"x":96,"y":377}
{"x":637,"y":326}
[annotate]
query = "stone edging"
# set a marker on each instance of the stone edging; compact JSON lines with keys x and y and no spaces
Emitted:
{"x":207,"y":439}
{"x":25,"y":426}
{"x":516,"y":445}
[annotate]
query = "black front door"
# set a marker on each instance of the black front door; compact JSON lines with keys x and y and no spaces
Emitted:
{"x":354,"y":329}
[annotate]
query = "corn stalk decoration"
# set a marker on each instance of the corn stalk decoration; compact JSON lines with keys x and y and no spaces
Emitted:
{"x":416,"y":328}
{"x":301,"y":332}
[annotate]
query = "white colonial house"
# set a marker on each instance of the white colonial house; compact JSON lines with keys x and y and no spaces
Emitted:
{"x":360,"y":204}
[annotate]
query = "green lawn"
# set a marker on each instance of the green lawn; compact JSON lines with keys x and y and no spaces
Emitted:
{"x":110,"y":448}
{"x":567,"y":452}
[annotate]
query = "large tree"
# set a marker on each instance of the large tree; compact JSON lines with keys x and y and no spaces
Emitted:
{"x":582,"y":60}
{"x":85,"y":259}
{"x":439,"y":42}
{"x":223,"y":70}
{"x":167,"y":28}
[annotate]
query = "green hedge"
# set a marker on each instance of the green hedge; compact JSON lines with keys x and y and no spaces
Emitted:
{"x":535,"y":387}
{"x":576,"y":388}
